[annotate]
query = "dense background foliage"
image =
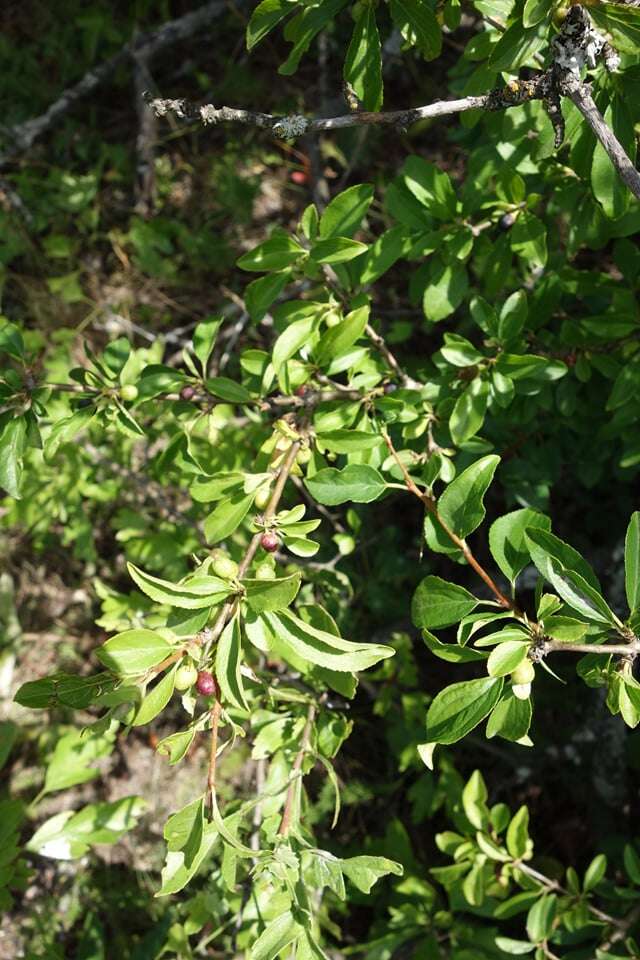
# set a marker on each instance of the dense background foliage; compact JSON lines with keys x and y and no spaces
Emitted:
{"x":179,"y":326}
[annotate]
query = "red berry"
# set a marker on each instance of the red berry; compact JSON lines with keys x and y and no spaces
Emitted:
{"x":301,"y":391}
{"x":269,"y":542}
{"x":298,"y":176}
{"x":205,"y":684}
{"x":187,"y":393}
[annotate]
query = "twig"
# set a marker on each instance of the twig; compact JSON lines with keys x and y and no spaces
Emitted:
{"x":287,"y":813}
{"x":622,"y":929}
{"x":21,"y":136}
{"x":230,"y":606}
{"x":380,"y":344}
{"x":432,"y":508}
{"x":576,"y":45}
{"x":216,"y":710}
{"x":631,"y":649}
{"x":147,"y":132}
{"x":553,"y":885}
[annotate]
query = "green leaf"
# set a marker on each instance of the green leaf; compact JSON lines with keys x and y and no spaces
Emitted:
{"x":595,"y":872}
{"x":177,"y":872}
{"x":547,"y":543}
{"x":445,"y":290}
{"x":632,"y":561}
{"x":516,"y":948}
{"x":156,"y":699}
{"x":518,"y":834}
{"x":473,"y":886}
{"x":304,"y":27}
{"x":197,"y":593}
{"x":204,"y":340}
{"x":622,"y":22}
{"x":348,"y":441}
{"x":69,"y":835}
{"x":516,"y":47}
{"x":356,"y":483}
{"x":505,"y":657}
{"x":228,"y":658}
{"x":540,"y":918}
{"x":337,"y":250}
{"x":469,"y":411}
{"x":474,"y":801}
{"x":13,"y":441}
{"x":459,"y":351}
{"x":66,"y":429}
{"x":8,"y":736}
{"x":451,"y":652}
{"x":551,"y":558}
{"x":277,"y":935}
{"x":387,"y":249}
{"x":632,"y":864}
{"x":261,"y":293}
{"x":295,"y":336}
{"x":276,"y":253}
{"x":133,"y":651}
{"x":337,"y":340}
{"x":461,"y":506}
{"x":431,"y":186}
{"x":460,"y":707}
{"x":512,"y":316}
{"x":363,"y":63}
{"x":418,"y":25}
{"x":265,"y":17}
{"x":535,"y":11}
{"x":438,"y":603}
{"x":507,"y":541}
{"x":528,"y":238}
{"x":520,"y":367}
{"x":510,"y":718}
{"x":227,"y":517}
{"x":70,"y":763}
{"x":228,"y":390}
{"x":608,"y":188}
{"x":175,"y":746}
{"x":317,"y":646}
{"x":364,"y":872}
{"x":345,"y":213}
{"x":264,"y":595}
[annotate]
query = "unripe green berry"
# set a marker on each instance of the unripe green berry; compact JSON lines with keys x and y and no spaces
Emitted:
{"x":225,"y":568}
{"x":265,"y":572}
{"x":523,"y":673}
{"x":262,"y":498}
{"x":129,"y":392}
{"x":186,"y":676}
{"x":303,"y":455}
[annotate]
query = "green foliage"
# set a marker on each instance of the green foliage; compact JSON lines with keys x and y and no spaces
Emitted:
{"x":257,"y":511}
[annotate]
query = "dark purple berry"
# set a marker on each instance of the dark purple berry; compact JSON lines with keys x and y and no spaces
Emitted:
{"x":187,"y":393}
{"x":506,"y":222}
{"x":205,"y":684}
{"x":390,"y":387}
{"x":269,"y":542}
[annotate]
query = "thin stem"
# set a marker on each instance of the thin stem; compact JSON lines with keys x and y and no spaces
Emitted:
{"x":379,"y":342}
{"x":287,"y":813}
{"x":605,"y":649}
{"x":216,"y":709}
{"x":432,"y":508}
{"x":230,"y":607}
{"x":550,"y":884}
